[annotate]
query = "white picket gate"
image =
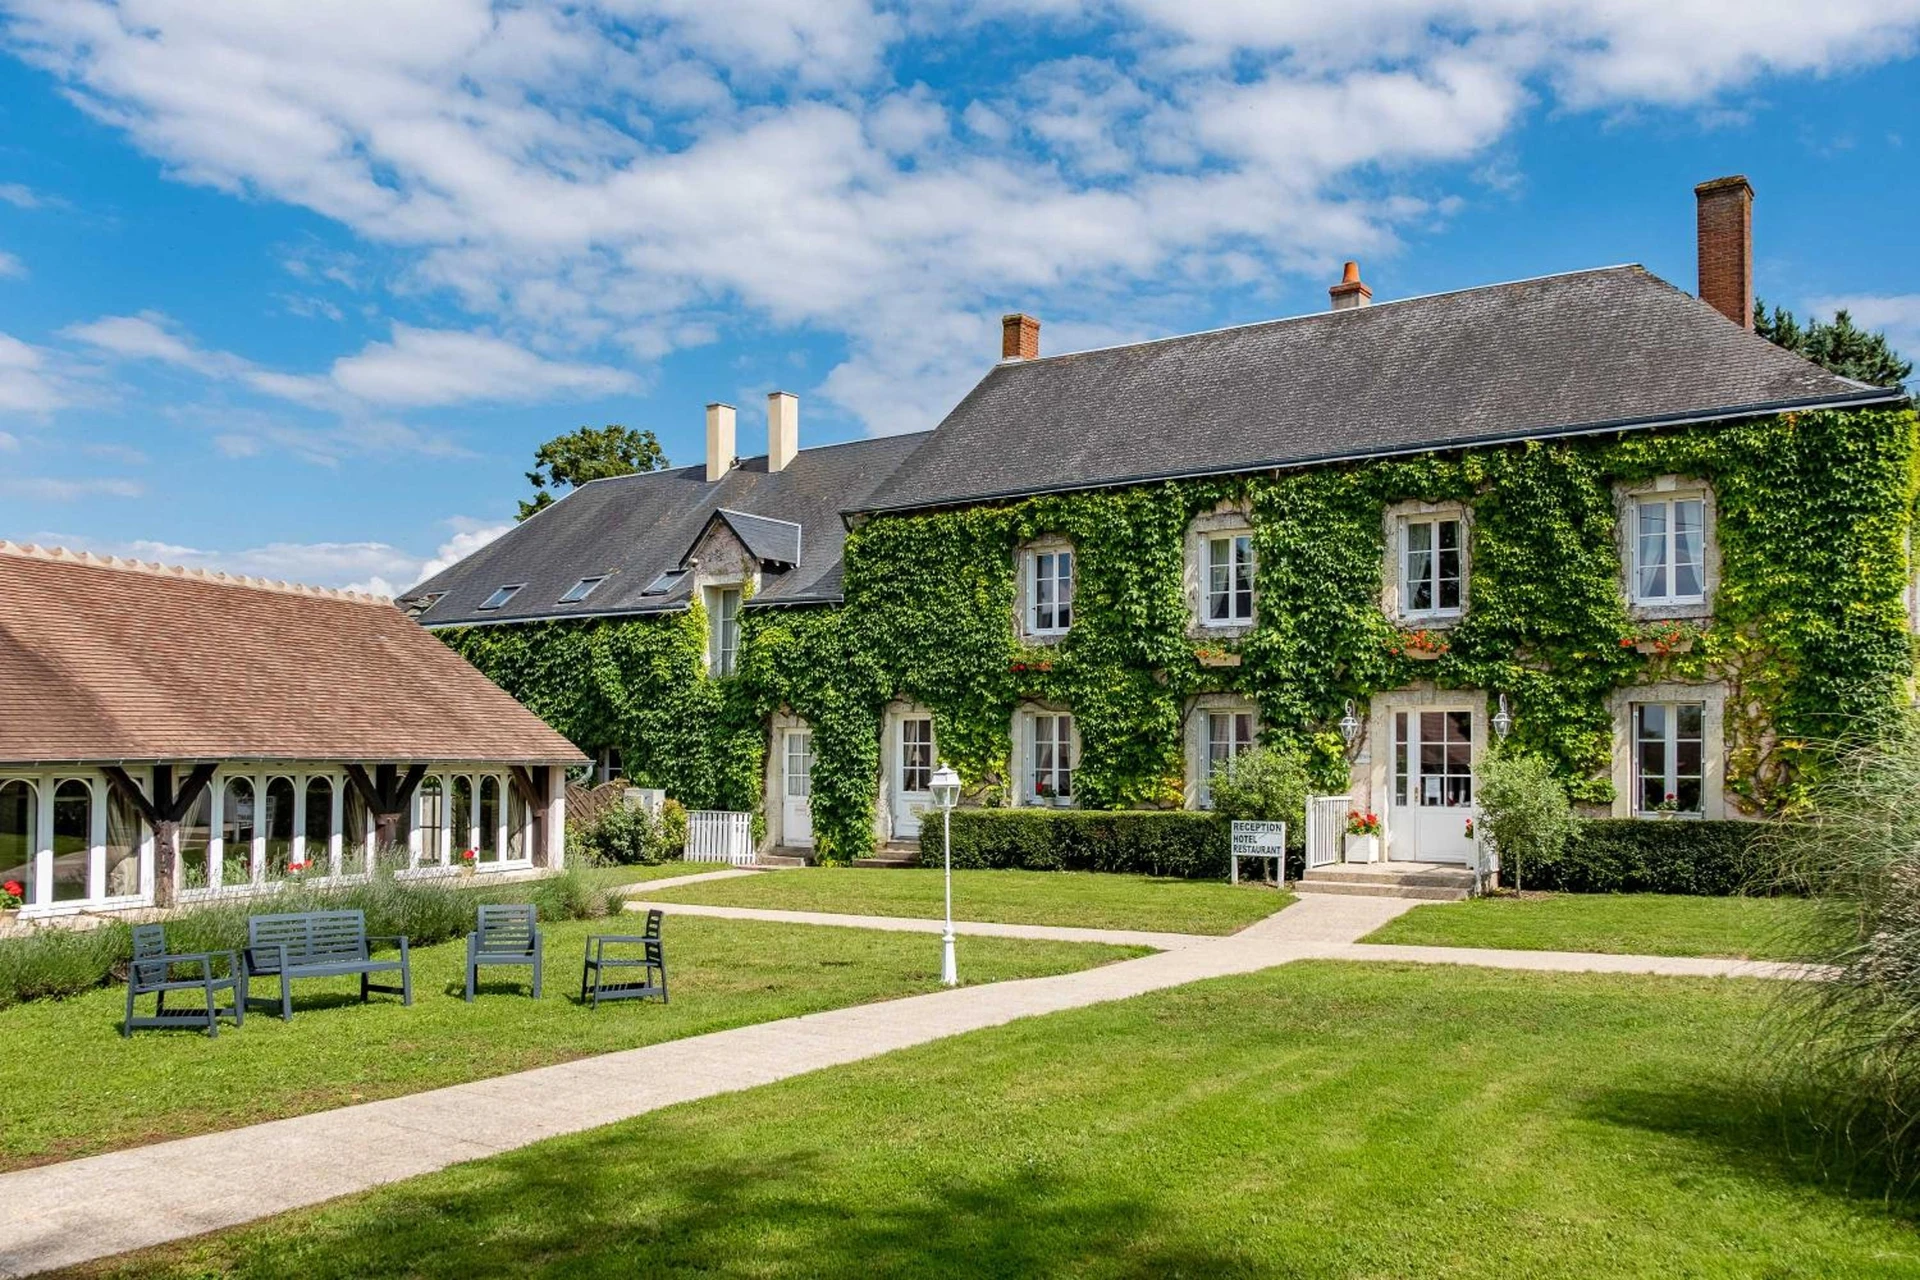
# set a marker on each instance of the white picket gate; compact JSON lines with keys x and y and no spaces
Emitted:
{"x":1326,"y":829}
{"x":718,"y":835}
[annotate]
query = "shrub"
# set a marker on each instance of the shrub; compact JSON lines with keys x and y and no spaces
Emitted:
{"x":1264,"y":785}
{"x":1524,"y":810}
{"x":624,"y":836}
{"x":1161,"y":842}
{"x":1635,"y":855}
{"x":60,"y":962}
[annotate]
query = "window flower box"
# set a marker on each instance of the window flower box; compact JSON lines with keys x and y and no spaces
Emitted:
{"x":1216,"y":658}
{"x":1421,"y":646}
{"x":1663,"y":640}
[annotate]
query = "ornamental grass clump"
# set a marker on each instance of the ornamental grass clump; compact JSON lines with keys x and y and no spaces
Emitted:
{"x":1848,"y":1048}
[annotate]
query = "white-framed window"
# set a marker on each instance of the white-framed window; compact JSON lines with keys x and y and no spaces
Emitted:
{"x":723,"y":629}
{"x":1433,"y":566}
{"x":1049,"y":591}
{"x":1052,"y":752}
{"x":501,"y":595}
{"x":1230,"y":734}
{"x":581,"y":590}
{"x":1669,"y":757}
{"x":1669,"y":548}
{"x":1226,"y":580}
{"x":457,"y":813}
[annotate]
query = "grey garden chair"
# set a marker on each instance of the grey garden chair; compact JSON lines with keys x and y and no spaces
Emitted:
{"x":507,"y":935}
{"x":600,"y":966}
{"x":152,"y":973}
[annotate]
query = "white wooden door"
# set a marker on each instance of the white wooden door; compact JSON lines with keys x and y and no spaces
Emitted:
{"x":912,"y":775}
{"x":796,"y":789}
{"x":1432,"y":786}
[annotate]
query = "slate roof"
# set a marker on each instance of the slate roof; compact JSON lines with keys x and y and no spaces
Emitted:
{"x":1589,"y":351}
{"x":105,"y":660}
{"x":634,"y":528}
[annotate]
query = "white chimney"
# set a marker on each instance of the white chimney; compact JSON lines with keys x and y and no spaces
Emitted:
{"x":720,"y":453}
{"x":783,"y":429}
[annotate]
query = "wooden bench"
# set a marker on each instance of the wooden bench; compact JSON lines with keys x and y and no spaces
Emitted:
{"x":321,"y":944}
{"x":508,"y":934}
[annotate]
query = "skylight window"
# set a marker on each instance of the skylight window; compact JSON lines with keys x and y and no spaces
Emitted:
{"x":582,"y":589}
{"x":424,"y":603}
{"x":501,"y":596}
{"x":664,"y":583}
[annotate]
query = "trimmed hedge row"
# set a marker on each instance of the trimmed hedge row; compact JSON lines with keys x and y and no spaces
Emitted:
{"x":1637,"y":855}
{"x":1160,"y":842}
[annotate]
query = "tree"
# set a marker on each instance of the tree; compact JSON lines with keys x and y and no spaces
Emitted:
{"x":590,"y":453}
{"x":1523,"y":808}
{"x":1837,"y":345}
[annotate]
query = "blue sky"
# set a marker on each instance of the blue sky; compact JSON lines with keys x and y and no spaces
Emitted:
{"x":295,"y":289}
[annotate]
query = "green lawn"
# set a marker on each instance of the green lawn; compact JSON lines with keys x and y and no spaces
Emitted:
{"x":70,"y":1086}
{"x":657,"y":871}
{"x":1651,"y":924}
{"x":1319,"y":1120}
{"x":1085,"y":899}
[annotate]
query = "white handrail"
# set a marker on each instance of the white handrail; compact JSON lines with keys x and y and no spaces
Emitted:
{"x":1326,"y":825}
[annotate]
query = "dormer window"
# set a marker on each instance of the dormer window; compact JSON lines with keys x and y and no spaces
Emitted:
{"x":501,"y":596}
{"x":1049,"y":590}
{"x":723,"y":630}
{"x":581,"y":590}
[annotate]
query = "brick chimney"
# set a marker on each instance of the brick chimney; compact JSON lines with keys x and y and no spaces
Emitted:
{"x":1019,"y":337}
{"x":1725,"y":208}
{"x":783,"y":429}
{"x":720,"y":454}
{"x":1350,"y":292}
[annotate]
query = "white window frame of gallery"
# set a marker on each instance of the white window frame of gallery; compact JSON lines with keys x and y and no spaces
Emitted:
{"x":1212,"y":764}
{"x":442,"y":859}
{"x":1043,"y":563}
{"x":325,"y":864}
{"x":45,"y":785}
{"x":1434,"y":579}
{"x":1239,"y":544}
{"x":1669,"y":740}
{"x":1669,"y":499}
{"x":723,"y":628}
{"x":1029,"y":739}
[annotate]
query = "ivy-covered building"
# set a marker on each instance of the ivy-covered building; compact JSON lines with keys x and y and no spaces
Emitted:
{"x":1679,"y":553}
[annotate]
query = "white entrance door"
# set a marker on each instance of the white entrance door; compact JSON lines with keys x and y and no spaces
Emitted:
{"x":912,"y":775}
{"x":796,"y":789}
{"x":1432,"y":786}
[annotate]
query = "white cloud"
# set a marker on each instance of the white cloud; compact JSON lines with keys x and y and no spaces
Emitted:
{"x":9,"y":442}
{"x":55,"y":489}
{"x":618,"y":174}
{"x":469,"y":536}
{"x":28,"y":383}
{"x":11,"y":267}
{"x":20,"y":196}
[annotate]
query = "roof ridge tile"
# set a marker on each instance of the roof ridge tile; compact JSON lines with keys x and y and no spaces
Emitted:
{"x":128,"y":564}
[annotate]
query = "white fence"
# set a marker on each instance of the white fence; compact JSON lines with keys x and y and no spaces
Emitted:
{"x":1326,"y":828}
{"x":717,"y":835}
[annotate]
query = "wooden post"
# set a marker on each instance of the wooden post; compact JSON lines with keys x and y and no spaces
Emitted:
{"x":388,"y":794}
{"x":163,"y":813}
{"x":535,"y":782}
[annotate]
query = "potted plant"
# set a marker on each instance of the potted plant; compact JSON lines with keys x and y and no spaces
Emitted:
{"x":1214,"y":656}
{"x":13,"y":895}
{"x":1363,"y":836}
{"x":1422,"y":646}
{"x":1663,"y":639}
{"x":467,"y":859}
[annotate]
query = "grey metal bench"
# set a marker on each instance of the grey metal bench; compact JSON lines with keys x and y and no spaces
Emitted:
{"x":152,"y":973}
{"x":600,"y":967}
{"x":508,"y":934}
{"x":321,"y":944}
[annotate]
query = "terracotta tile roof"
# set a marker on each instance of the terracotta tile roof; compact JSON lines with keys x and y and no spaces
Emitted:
{"x":104,"y":659}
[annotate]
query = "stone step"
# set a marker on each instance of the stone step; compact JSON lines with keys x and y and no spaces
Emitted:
{"x":1423,"y":892}
{"x":783,"y":858}
{"x":894,"y":853}
{"x":1434,"y":878}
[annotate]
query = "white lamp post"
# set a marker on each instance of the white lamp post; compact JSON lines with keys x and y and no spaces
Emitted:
{"x":946,"y":794}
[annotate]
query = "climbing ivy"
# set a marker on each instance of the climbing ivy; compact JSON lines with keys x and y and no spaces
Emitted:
{"x":1809,"y":629}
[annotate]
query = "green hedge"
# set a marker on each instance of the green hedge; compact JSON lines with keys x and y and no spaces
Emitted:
{"x":1650,"y":856}
{"x":1161,"y":842}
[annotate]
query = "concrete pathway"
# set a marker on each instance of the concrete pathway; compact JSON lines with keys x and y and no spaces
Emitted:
{"x":916,"y":924}
{"x":64,"y":1214}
